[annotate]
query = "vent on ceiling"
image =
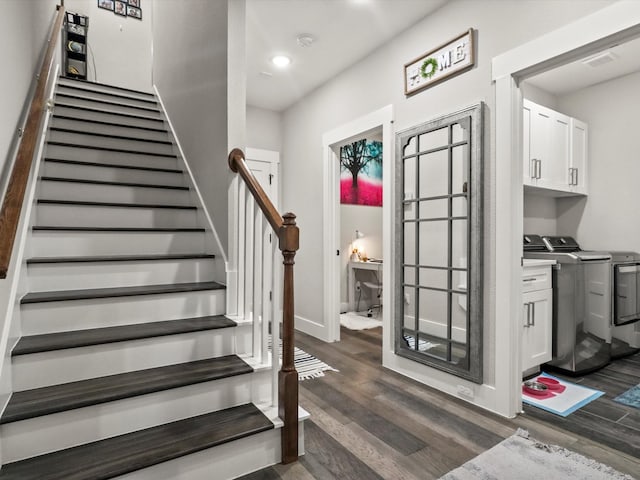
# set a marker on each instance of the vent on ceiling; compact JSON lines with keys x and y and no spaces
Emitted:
{"x":600,"y":59}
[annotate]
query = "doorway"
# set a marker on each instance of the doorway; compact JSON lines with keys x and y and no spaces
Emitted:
{"x":618,"y":23}
{"x":336,"y":254}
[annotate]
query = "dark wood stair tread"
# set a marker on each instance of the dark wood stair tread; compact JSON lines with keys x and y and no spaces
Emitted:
{"x":83,"y":393}
{"x":65,"y":295}
{"x":120,"y":258}
{"x":89,"y":82}
{"x":108,"y":135}
{"x":49,"y":201}
{"x":133,"y":451}
{"x":109,"y":112}
{"x":81,"y":88}
{"x":111,"y":165}
{"x":56,"y":228}
{"x":98,"y":336}
{"x":109,"y":149}
{"x":116,"y":184}
{"x":105,"y":102}
{"x":110,"y":124}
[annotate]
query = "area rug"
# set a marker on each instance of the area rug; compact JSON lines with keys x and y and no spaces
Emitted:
{"x":306,"y":364}
{"x":631,"y":397}
{"x":562,"y":397}
{"x":523,"y":458}
{"x":309,"y":366}
{"x":355,"y":321}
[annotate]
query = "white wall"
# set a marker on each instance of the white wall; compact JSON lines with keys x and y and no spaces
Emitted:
{"x":264,"y":129}
{"x":369,"y":221}
{"x":25,"y":28}
{"x":119,"y":46}
{"x":190,"y":72}
{"x":377,"y":81}
{"x":540,"y":215}
{"x":608,"y":217}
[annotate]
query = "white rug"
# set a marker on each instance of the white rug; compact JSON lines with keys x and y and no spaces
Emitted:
{"x":520,"y":457}
{"x":354,"y":321}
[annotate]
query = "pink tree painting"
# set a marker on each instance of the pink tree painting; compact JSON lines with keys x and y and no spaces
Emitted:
{"x":361,"y":173}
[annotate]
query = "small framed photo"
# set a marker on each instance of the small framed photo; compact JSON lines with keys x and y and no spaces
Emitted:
{"x":106,"y":4}
{"x":134,"y":3}
{"x":134,"y":12}
{"x":120,"y":8}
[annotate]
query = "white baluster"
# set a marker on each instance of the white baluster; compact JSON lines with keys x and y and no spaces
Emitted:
{"x":242,"y":197}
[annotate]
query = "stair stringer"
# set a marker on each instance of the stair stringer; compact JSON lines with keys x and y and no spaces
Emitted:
{"x":15,"y":285}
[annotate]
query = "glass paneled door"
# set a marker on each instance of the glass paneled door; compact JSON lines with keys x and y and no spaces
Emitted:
{"x":439,"y":243}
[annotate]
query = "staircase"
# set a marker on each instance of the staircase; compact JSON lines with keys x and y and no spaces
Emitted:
{"x":126,"y":365}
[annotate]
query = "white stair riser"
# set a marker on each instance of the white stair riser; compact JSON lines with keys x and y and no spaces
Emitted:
{"x":50,"y":317}
{"x":119,"y":97}
{"x":57,"y":431}
{"x":90,"y":216}
{"x":81,"y":102}
{"x":69,"y":365}
{"x":104,"y":116}
{"x":70,"y":276}
{"x":104,"y":88}
{"x":223,"y":462}
{"x":52,"y":189}
{"x":107,"y":157}
{"x":111,"y":174}
{"x":82,"y":126}
{"x":107,"y":142}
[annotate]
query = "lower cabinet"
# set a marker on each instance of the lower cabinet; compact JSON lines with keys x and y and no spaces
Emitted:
{"x":537,"y":317}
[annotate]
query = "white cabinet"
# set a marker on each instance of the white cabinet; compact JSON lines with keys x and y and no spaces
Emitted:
{"x":537,"y":315}
{"x":554,"y":150}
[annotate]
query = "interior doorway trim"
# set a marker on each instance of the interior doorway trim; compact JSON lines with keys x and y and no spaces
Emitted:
{"x":604,"y":28}
{"x":382,"y":118}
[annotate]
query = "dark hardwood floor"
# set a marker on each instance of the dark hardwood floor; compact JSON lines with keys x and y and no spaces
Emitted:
{"x":368,"y":422}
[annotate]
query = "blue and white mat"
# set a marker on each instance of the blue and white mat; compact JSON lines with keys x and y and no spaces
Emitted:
{"x":631,"y":397}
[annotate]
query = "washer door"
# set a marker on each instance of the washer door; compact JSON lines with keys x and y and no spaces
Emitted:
{"x":626,"y":293}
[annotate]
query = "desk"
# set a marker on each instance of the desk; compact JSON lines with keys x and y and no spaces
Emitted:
{"x":351,"y":278}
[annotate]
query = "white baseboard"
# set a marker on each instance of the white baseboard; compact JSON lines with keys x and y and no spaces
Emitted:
{"x":312,"y":328}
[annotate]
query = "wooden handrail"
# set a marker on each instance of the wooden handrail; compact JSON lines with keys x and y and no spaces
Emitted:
{"x":14,"y":197}
{"x":288,"y":238}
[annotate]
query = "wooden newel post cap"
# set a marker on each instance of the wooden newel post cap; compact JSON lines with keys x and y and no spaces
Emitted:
{"x":289,"y":233}
{"x":235,"y":155}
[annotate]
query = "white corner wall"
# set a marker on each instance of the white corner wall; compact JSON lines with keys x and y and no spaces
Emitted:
{"x":119,"y":47}
{"x":264,"y":129}
{"x":25,"y":28}
{"x":608,"y":218}
{"x":376,"y":81}
{"x":190,"y":71}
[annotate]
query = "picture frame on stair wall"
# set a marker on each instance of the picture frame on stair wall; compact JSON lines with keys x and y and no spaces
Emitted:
{"x":134,"y":12}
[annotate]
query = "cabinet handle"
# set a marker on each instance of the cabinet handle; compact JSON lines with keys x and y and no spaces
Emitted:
{"x":533,"y":314}
{"x":532,"y":279}
{"x":539,"y":169}
{"x":575,"y":182}
{"x":570,"y":176}
{"x":526,"y":323}
{"x":533,"y":168}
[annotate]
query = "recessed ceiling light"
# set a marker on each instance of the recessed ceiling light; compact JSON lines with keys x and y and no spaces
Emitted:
{"x":281,"y":61}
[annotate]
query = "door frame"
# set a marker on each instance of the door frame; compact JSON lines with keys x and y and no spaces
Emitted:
{"x":382,"y":118}
{"x":604,"y":28}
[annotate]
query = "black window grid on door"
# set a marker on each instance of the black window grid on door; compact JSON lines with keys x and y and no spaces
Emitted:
{"x":459,"y":204}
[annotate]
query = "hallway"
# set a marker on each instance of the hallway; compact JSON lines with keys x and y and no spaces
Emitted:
{"x":370,"y":423}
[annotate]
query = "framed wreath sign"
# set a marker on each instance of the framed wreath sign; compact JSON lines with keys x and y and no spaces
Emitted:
{"x":440,"y":63}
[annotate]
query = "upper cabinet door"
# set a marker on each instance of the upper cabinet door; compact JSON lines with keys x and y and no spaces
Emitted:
{"x":579,"y":147}
{"x":554,"y":150}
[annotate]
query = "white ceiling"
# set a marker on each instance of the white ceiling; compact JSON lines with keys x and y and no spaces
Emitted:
{"x":345,"y":31}
{"x":577,"y":75}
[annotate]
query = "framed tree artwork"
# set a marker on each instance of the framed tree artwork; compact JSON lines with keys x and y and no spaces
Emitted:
{"x":361,"y":173}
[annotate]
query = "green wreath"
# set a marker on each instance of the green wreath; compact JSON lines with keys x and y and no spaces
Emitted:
{"x":429,"y":62}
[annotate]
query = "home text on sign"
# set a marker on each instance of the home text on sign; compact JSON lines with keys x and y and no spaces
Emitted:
{"x":438,"y":64}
